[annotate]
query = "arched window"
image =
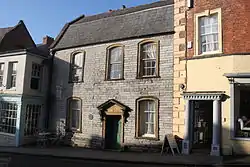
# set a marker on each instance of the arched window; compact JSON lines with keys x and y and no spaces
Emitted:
{"x":115,"y":62}
{"x":147,"y":117}
{"x":77,"y":67}
{"x":74,"y":115}
{"x":148,"y":59}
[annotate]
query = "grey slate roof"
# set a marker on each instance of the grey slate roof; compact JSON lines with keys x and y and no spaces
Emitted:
{"x":17,"y":38}
{"x":149,"y":19}
{"x":4,"y":31}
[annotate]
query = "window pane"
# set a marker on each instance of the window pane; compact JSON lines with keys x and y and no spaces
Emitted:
{"x":207,"y":29}
{"x":202,"y":21}
{"x":151,"y":105}
{"x":78,"y":59}
{"x":75,"y":119}
{"x":149,"y":129}
{"x":216,"y":46}
{"x":1,"y":68}
{"x":202,"y":30}
{"x":214,"y":19}
{"x":13,"y":81}
{"x":149,"y":51}
{"x":215,"y":37}
{"x":34,"y":84}
{"x":116,"y":54}
{"x":215,"y":28}
{"x":79,"y":72}
{"x":149,"y":71}
{"x":14,"y":66}
{"x":75,"y":104}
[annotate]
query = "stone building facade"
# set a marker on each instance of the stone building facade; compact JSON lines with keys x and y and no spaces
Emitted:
{"x":126,"y":107}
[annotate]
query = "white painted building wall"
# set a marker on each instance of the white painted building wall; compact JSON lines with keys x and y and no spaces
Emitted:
{"x":22,"y":94}
{"x":19,"y":57}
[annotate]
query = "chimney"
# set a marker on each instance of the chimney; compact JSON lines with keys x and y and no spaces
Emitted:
{"x":123,"y":7}
{"x":47,"y":40}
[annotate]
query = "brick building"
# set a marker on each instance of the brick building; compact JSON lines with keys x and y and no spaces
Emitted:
{"x":216,"y":72}
{"x":113,"y":77}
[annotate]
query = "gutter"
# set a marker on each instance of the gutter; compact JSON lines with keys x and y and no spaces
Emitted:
{"x":20,"y":52}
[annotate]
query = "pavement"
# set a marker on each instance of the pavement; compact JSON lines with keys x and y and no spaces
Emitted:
{"x":21,"y":160}
{"x":115,"y":156}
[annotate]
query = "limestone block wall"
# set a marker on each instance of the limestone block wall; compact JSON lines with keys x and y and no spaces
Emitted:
{"x":95,"y":91}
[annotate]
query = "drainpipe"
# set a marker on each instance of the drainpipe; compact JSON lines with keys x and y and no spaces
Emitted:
{"x":49,"y":94}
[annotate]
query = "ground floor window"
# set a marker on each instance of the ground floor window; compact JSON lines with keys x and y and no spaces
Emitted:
{"x":74,"y":114}
{"x":147,"y":117}
{"x":8,"y":116}
{"x":31,"y":119}
{"x":242,"y":111}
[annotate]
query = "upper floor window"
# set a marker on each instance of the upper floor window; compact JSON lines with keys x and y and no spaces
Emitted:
{"x":208,"y":32}
{"x":74,"y":114}
{"x":148,"y":59}
{"x":76,"y":67}
{"x":12,"y":71}
{"x":1,"y":74}
{"x":147,"y":117}
{"x":36,"y":76}
{"x":115,"y":62}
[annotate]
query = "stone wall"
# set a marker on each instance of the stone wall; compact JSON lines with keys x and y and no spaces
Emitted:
{"x":95,"y":91}
{"x":179,"y":66}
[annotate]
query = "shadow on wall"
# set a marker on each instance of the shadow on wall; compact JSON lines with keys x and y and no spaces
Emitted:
{"x":98,"y":142}
{"x":61,"y":91}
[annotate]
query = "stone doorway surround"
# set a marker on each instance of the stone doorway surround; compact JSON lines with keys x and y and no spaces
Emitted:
{"x":113,"y":107}
{"x":189,"y":97}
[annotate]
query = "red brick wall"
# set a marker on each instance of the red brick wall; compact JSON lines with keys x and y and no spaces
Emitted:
{"x":235,"y":24}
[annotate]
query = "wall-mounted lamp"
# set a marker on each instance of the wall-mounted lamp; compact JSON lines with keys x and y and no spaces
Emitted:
{"x":182,"y":86}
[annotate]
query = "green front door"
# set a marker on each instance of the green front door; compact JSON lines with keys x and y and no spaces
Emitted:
{"x":113,"y":132}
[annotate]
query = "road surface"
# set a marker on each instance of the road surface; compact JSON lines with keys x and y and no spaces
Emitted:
{"x":18,"y":160}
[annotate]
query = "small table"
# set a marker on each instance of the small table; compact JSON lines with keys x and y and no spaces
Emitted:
{"x":42,"y":138}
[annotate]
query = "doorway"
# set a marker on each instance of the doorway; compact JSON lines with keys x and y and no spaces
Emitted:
{"x":202,"y":124}
{"x":113,"y":132}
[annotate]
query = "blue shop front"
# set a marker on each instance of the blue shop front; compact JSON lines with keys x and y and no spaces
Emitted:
{"x":20,"y":117}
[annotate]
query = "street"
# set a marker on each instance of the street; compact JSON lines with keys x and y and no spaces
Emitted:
{"x":18,"y":160}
